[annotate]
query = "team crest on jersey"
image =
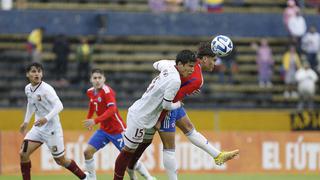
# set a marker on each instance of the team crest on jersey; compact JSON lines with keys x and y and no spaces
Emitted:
{"x":38,"y":97}
{"x":99,"y":99}
{"x":165,"y":73}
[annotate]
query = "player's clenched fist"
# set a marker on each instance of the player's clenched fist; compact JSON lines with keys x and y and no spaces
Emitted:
{"x":89,"y":123}
{"x":23,"y":128}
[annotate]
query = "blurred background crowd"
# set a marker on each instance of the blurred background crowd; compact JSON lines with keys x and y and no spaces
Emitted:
{"x":275,"y":62}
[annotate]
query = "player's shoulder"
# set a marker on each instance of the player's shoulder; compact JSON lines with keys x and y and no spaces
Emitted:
{"x":90,"y":90}
{"x":106,"y":89}
{"x":27,"y":86}
{"x":46,"y":85}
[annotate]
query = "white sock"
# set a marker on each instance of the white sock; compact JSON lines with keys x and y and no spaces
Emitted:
{"x":200,"y":141}
{"x":169,"y":163}
{"x":132,"y":174}
{"x":90,"y":167}
{"x":143,"y":171}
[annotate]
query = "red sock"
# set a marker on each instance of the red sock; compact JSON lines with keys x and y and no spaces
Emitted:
{"x":121,"y":164}
{"x":137,"y":154}
{"x":74,"y":168}
{"x":25,"y":170}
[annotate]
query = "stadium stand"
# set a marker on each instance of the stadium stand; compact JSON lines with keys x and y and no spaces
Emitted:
{"x":127,"y":60}
{"x":128,"y":66}
{"x":230,"y":6}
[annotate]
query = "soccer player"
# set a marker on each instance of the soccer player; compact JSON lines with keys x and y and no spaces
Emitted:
{"x":190,"y":85}
{"x":44,"y":102}
{"x":103,"y":103}
{"x":144,"y":113}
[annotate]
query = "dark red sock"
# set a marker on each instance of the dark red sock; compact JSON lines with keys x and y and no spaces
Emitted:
{"x":121,"y":164}
{"x":137,"y":154}
{"x":25,"y":170}
{"x":74,"y":168}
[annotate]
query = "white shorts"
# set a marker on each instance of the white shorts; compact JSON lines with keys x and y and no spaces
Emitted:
{"x":53,"y":139}
{"x":134,"y":133}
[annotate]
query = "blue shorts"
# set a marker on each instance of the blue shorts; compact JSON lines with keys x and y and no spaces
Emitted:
{"x":169,"y":123}
{"x":100,"y":138}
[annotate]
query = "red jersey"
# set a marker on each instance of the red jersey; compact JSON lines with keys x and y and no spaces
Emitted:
{"x":188,"y":85}
{"x":191,"y":83}
{"x":103,"y":103}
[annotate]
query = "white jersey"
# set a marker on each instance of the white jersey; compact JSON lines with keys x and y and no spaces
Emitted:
{"x":164,"y":87}
{"x":44,"y":102}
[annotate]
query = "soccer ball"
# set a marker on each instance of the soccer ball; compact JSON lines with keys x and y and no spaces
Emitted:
{"x":221,"y":45}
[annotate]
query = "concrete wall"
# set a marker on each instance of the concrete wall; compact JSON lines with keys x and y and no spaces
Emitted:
{"x":125,"y":23}
{"x":224,"y":120}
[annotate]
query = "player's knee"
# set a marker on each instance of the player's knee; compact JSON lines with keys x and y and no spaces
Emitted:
{"x":24,"y":151}
{"x":61,"y":161}
{"x":185,"y":127}
{"x":88,"y":154}
{"x":23,"y":156}
{"x":129,"y":149}
{"x":168,"y":145}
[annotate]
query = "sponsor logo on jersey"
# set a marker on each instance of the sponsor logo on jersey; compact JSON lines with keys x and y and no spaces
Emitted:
{"x":99,"y":99}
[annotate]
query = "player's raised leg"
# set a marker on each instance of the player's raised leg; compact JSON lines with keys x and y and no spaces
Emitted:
{"x":132,"y":138}
{"x":200,"y":141}
{"x":55,"y":143}
{"x":70,"y":165}
{"x":135,"y":164}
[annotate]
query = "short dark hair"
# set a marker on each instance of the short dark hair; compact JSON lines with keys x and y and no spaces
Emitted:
{"x":204,"y":49}
{"x":185,"y":56}
{"x":97,"y":70}
{"x":34,"y":64}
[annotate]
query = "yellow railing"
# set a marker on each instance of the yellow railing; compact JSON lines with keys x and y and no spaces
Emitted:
{"x":217,"y":120}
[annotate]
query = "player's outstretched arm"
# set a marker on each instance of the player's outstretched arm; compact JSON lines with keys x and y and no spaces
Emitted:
{"x":57,"y":104}
{"x":169,"y":94}
{"x":27,"y":117}
{"x":23,"y":128}
{"x":169,"y":105}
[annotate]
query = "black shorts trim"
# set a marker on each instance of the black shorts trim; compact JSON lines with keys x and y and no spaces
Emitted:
{"x":33,"y":141}
{"x":58,"y":153}
{"x":167,"y":100}
{"x":130,"y":140}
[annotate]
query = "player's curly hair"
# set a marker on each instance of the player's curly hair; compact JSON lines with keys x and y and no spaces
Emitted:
{"x":204,"y":49}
